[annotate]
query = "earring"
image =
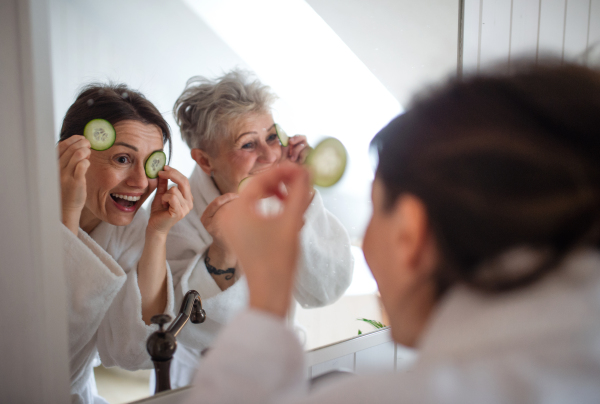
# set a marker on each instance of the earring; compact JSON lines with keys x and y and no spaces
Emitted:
{"x":212,"y":174}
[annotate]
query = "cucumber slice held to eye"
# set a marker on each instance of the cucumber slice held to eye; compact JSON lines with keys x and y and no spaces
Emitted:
{"x":155,"y":163}
{"x":245,"y":181}
{"x":283,"y":137}
{"x":100,"y":134}
{"x":327,"y":162}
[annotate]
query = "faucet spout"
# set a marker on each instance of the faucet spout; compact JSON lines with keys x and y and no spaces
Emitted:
{"x":191,"y":309}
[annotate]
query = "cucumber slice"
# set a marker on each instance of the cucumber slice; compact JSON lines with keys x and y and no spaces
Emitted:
{"x":283,"y":137}
{"x":155,"y":163}
{"x":327,"y":161}
{"x":243,"y":184}
{"x":100,"y":133}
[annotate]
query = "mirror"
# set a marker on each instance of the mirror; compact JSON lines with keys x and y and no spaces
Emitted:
{"x":340,"y":68}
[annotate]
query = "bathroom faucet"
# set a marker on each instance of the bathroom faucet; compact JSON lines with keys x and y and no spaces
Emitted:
{"x":161,"y":345}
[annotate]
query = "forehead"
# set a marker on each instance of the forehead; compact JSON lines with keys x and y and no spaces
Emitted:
{"x":138,"y":134}
{"x":252,"y":122}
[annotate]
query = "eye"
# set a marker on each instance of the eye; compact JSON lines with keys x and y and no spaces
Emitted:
{"x":272,"y":138}
{"x":122,"y":159}
{"x":247,"y":146}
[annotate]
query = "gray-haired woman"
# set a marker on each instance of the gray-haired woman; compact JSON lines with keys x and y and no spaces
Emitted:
{"x":227,"y":124}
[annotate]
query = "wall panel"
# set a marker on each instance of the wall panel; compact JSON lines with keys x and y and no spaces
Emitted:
{"x":576,"y":29}
{"x":593,"y":39}
{"x":524,"y":32}
{"x":552,"y":27}
{"x":495,"y":32}
{"x":502,"y":31}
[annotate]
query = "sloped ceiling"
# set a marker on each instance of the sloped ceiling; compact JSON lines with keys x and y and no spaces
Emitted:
{"x":405,"y":43}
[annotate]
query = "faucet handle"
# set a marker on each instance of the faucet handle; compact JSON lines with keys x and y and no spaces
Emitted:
{"x":161,"y":320}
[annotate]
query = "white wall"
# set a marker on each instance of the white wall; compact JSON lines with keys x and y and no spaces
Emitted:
{"x":499,"y":31}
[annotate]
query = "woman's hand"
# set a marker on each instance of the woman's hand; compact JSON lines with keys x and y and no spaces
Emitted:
{"x":73,"y":154}
{"x":212,"y":219}
{"x":297,"y":149}
{"x":218,"y":254}
{"x":268,"y":247}
{"x":170,"y":205}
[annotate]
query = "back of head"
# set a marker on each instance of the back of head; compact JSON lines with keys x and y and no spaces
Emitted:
{"x":114,"y":103}
{"x":502,"y":163}
{"x":207,"y":108}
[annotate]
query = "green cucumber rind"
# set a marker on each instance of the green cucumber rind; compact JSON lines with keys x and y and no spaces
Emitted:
{"x":283,"y":137}
{"x":88,"y":134}
{"x":242,"y":184}
{"x":320,"y":179}
{"x":150,"y":173}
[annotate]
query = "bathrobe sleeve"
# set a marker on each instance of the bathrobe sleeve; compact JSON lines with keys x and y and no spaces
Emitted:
{"x":122,"y":334}
{"x":93,"y":280}
{"x":265,"y":365}
{"x":325,"y":265}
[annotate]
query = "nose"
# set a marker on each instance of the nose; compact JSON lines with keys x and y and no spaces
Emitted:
{"x":137,"y":177}
{"x":268,"y":155}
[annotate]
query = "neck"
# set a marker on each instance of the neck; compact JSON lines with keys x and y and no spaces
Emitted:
{"x":88,"y":221}
{"x":413,"y":314}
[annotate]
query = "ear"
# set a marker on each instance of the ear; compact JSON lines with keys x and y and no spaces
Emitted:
{"x":203,"y":159}
{"x":413,"y":238}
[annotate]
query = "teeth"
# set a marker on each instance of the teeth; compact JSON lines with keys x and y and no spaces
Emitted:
{"x":127,"y":198}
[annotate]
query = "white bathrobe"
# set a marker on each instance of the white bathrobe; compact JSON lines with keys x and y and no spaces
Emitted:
{"x":105,"y":311}
{"x":540,"y":344}
{"x":325,"y":272}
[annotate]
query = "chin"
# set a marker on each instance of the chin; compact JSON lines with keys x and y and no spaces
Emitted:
{"x":121,"y":219}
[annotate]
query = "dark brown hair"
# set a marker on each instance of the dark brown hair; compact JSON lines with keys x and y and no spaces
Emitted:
{"x":502,"y":163}
{"x":115,"y":103}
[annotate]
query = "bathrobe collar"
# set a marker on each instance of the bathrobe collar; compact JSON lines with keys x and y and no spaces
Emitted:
{"x":203,"y":189}
{"x":521,"y":317}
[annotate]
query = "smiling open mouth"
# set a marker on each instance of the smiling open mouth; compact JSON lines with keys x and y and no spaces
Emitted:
{"x":124,"y":200}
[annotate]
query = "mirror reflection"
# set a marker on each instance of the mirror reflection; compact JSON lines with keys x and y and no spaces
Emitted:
{"x":207,"y":85}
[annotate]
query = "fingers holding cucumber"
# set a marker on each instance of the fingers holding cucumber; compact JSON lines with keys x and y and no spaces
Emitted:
{"x":298,"y":149}
{"x":74,"y":154}
{"x":170,"y":205}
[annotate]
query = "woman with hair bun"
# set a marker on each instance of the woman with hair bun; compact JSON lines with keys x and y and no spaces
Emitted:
{"x":227,"y":124}
{"x":484,"y":241}
{"x":115,"y":252}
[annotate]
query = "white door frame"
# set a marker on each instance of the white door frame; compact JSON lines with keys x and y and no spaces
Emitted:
{"x":34,"y":366}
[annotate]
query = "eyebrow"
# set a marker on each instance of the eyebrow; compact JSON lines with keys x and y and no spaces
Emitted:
{"x":126,"y":145}
{"x":250,"y":133}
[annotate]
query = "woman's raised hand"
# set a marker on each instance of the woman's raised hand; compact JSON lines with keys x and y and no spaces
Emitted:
{"x":170,"y":205}
{"x":212,"y":219}
{"x":298,"y":149}
{"x":74,"y":161}
{"x":268,"y":246}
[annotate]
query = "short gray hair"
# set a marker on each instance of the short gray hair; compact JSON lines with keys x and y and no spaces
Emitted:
{"x":207,"y":108}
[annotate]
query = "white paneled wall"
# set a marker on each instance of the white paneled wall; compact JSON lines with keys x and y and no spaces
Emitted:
{"x":500,"y":31}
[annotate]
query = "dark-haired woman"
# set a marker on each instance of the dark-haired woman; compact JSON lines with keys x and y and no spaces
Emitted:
{"x":115,"y":254}
{"x":484,"y":242}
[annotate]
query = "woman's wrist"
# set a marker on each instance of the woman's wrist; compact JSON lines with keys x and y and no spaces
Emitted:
{"x":70,"y":218}
{"x":220,"y":257}
{"x":155,"y":237}
{"x":275,"y":301}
